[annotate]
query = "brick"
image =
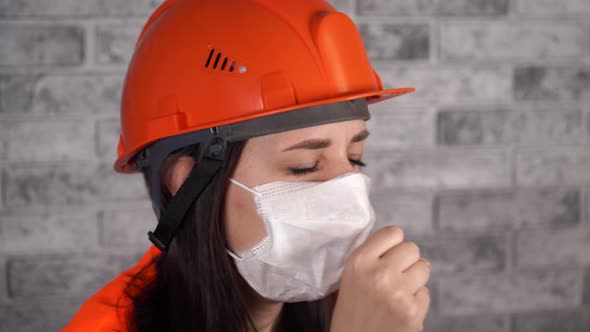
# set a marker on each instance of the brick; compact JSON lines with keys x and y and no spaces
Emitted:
{"x":553,"y":8}
{"x":396,"y":41}
{"x":524,"y":291}
{"x":126,"y":228}
{"x":72,"y":184}
{"x":115,"y":43}
{"x":433,"y":7}
{"x":108,"y":131}
{"x":3,"y":281}
{"x":397,"y":127}
{"x":2,"y":154}
{"x":100,"y":8}
{"x":411,"y":212}
{"x":458,"y":254}
{"x":508,"y":209}
{"x":511,"y":127}
{"x":41,"y":45}
{"x":587,"y":287}
{"x":63,"y":275}
{"x":499,"y":41}
{"x":479,"y":323}
{"x":53,"y":94}
{"x":2,"y":188}
{"x":559,"y":247}
{"x":344,"y":6}
{"x":575,"y":320}
{"x":438,"y":169}
{"x":48,"y":140}
{"x":449,"y":84}
{"x":41,"y":232}
{"x":552,"y":83}
{"x":33,"y":315}
{"x":565,"y":166}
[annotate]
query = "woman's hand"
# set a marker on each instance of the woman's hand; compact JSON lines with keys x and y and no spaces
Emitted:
{"x":383,"y":286}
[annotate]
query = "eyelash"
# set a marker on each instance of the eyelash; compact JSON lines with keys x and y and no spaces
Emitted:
{"x":315,"y":168}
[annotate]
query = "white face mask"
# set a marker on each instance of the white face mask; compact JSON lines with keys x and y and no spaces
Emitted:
{"x":311,"y":228}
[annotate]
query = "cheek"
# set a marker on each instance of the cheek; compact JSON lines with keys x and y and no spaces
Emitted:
{"x":244,"y":228}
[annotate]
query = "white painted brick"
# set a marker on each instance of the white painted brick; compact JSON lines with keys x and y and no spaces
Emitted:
{"x":3,"y":281}
{"x":524,"y":291}
{"x":438,"y":169}
{"x":461,"y":211}
{"x":41,"y":45}
{"x":553,"y":8}
{"x":444,"y":84}
{"x":122,"y":8}
{"x":115,"y":43}
{"x":460,"y":253}
{"x":559,"y":247}
{"x":345,"y":6}
{"x":562,"y":83}
{"x":553,"y":320}
{"x":41,"y":232}
{"x":587,"y":287}
{"x":49,"y":140}
{"x":566,"y":166}
{"x":464,"y":323}
{"x":108,"y":131}
{"x":396,"y":41}
{"x":411,"y":212}
{"x":538,"y":127}
{"x":79,"y":183}
{"x":523,"y":40}
{"x":64,"y":275}
{"x":396,"y":127}
{"x":48,"y":94}
{"x":2,"y":151}
{"x":38,"y":314}
{"x":433,"y":7}
{"x":126,"y":228}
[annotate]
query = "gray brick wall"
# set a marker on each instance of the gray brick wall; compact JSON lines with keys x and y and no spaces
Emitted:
{"x":486,"y":166}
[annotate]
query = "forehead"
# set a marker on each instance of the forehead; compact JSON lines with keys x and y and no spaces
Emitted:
{"x":338,"y":132}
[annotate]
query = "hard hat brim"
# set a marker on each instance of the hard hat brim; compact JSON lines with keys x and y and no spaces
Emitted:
{"x":122,"y":164}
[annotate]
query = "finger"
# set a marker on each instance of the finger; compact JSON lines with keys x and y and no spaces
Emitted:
{"x":403,"y":255}
{"x":416,"y":276}
{"x":423,"y":302}
{"x":381,"y":241}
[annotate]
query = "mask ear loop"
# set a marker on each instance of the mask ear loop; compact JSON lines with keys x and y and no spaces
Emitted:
{"x":244,"y":187}
{"x":236,"y":257}
{"x":229,"y":252}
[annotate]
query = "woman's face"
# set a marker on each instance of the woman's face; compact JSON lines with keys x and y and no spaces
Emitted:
{"x":310,"y":154}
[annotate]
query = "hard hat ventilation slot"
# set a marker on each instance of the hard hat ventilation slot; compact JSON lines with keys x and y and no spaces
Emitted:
{"x":214,"y":62}
{"x":209,"y":58}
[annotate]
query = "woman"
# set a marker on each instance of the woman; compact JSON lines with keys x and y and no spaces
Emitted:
{"x":247,"y":120}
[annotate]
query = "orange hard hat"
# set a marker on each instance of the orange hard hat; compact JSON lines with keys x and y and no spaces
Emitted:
{"x":206,"y":63}
{"x":206,"y":70}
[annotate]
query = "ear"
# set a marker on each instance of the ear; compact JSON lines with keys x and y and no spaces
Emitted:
{"x":178,"y":173}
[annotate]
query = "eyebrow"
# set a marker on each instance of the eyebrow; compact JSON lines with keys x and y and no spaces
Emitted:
{"x":315,"y":144}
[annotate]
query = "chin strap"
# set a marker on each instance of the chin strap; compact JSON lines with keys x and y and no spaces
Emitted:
{"x":196,"y":182}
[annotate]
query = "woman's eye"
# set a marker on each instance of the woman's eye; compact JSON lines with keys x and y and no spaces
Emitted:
{"x":315,"y":168}
{"x":304,"y":171}
{"x":358,"y":163}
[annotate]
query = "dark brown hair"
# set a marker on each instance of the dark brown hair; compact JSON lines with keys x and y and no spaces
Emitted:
{"x":197,"y":286}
